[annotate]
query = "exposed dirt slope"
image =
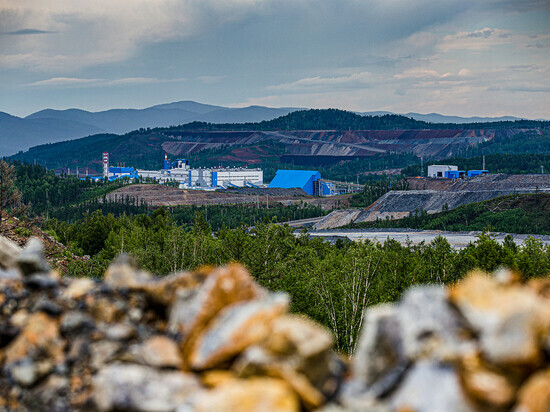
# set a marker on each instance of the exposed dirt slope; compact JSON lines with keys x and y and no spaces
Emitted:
{"x":435,"y":143}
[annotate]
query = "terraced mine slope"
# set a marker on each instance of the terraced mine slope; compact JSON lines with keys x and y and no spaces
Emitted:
{"x":435,"y":143}
{"x":446,"y":194}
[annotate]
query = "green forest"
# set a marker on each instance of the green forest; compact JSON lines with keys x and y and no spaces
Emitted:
{"x":332,"y":283}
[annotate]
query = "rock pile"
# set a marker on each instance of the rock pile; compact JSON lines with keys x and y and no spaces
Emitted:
{"x":213,"y":340}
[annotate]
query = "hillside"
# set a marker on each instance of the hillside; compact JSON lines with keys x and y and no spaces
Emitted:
{"x":516,"y":213}
{"x":317,"y":135}
{"x":432,"y":196}
{"x":50,"y":126}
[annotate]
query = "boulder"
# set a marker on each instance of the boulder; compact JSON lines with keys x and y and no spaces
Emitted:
{"x":238,"y":326}
{"x":31,"y":259}
{"x":9,"y":252}
{"x":141,"y":388}
{"x":512,"y":321}
{"x":247,"y":395}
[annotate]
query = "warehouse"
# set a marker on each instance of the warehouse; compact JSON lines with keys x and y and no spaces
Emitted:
{"x":307,"y":180}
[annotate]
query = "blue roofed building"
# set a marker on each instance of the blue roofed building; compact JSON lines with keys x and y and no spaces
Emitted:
{"x":303,"y":179}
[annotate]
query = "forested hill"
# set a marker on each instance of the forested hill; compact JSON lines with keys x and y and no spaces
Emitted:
{"x":335,"y":119}
{"x":263,"y":142}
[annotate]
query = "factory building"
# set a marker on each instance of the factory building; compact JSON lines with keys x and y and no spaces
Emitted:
{"x":452,"y":172}
{"x":438,"y":171}
{"x":308,"y":180}
{"x":204,"y":178}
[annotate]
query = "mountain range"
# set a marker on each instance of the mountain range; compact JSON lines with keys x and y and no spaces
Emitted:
{"x":50,"y":125}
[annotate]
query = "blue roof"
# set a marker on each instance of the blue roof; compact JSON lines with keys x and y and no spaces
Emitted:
{"x":113,"y":169}
{"x":288,"y":179}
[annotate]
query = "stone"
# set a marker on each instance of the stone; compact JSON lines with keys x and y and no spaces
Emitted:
{"x":24,"y":372}
{"x":234,"y":329}
{"x":512,"y":321}
{"x":430,"y":387}
{"x":247,"y":395}
{"x":103,"y":352}
{"x":430,"y":327}
{"x":78,"y":288}
{"x":534,"y":395}
{"x":41,"y":280}
{"x":194,"y":308}
{"x":9,"y":252}
{"x":124,"y":273}
{"x":10,"y":274}
{"x":490,"y":388}
{"x":75,"y":321}
{"x":380,"y":359}
{"x":297,"y":335}
{"x":40,"y":336}
{"x":299,"y":352}
{"x":119,"y":331}
{"x":158,"y":351}
{"x":31,"y":259}
{"x":163,"y":290}
{"x":141,"y":388}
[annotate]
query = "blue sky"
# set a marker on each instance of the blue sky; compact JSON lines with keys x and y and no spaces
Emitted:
{"x":456,"y":57}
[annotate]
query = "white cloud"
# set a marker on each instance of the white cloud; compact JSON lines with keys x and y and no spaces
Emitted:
{"x":87,"y":33}
{"x":80,"y":82}
{"x":319,"y":82}
{"x":64,"y":81}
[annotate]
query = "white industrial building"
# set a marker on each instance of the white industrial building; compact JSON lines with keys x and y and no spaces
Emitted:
{"x":204,"y":178}
{"x":438,"y":171}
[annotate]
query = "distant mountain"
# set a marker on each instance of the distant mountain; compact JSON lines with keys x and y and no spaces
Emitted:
{"x":441,"y":118}
{"x":49,"y":125}
{"x":18,"y":134}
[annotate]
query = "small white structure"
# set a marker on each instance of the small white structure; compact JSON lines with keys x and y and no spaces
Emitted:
{"x":438,"y":171}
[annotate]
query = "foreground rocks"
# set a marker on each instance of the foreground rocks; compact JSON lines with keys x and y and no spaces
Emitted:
{"x":213,"y":340}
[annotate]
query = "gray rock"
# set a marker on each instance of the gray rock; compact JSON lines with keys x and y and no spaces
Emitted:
{"x":430,"y":387}
{"x":9,"y":252}
{"x":41,"y":281}
{"x":24,"y":372}
{"x":380,"y":359}
{"x":118,"y":331}
{"x":430,"y":327}
{"x":75,"y":321}
{"x":31,"y":259}
{"x":10,"y":274}
{"x":103,"y":352}
{"x":124,"y":273}
{"x":141,"y":388}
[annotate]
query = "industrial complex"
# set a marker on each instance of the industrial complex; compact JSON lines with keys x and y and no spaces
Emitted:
{"x":179,"y":172}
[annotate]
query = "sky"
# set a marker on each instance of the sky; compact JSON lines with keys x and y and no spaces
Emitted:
{"x":454,"y":57}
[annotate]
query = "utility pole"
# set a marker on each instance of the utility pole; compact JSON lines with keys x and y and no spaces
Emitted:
{"x":421,"y":167}
{"x":483,"y":168}
{"x":267,"y":202}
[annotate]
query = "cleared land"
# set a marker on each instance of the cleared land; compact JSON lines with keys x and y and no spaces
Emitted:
{"x":158,"y":195}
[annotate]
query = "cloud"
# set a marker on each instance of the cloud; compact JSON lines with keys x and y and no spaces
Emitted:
{"x":28,"y":31}
{"x":64,"y":81}
{"x":105,"y":31}
{"x":80,"y":82}
{"x":361,"y":79}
